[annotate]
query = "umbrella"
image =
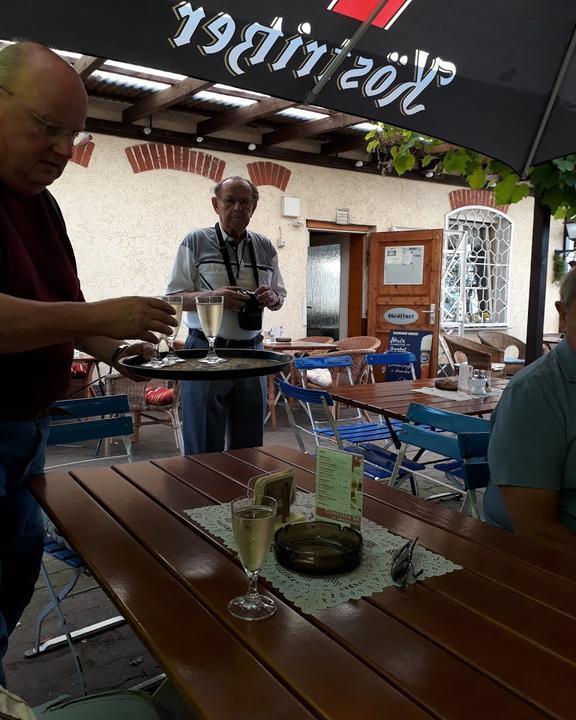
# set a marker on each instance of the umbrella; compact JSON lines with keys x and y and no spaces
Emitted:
{"x":496,"y":76}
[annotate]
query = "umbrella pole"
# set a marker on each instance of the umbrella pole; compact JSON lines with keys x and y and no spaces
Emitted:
{"x":538,"y":272}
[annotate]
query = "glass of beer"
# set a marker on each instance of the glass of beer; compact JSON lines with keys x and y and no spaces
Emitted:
{"x":210,"y":310}
{"x":177,"y":303}
{"x":253,"y":521}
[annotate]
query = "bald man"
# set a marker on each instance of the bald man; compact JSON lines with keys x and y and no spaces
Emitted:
{"x":43,"y":315}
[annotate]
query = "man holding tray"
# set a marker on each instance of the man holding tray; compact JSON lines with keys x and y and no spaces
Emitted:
{"x":220,"y":260}
{"x":42,"y":311}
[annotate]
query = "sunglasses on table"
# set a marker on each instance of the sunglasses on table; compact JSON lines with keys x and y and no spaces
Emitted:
{"x":401,"y":566}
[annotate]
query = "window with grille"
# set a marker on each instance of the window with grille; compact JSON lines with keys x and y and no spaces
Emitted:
{"x":476,"y":269}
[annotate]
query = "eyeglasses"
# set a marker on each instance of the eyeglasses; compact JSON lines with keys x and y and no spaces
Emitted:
{"x":401,"y":566}
{"x":231,"y":202}
{"x":51,"y":128}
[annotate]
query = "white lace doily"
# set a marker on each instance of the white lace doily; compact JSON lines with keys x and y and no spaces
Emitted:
{"x":311,"y":593}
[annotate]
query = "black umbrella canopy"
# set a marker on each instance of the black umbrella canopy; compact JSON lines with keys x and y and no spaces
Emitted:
{"x":496,"y":76}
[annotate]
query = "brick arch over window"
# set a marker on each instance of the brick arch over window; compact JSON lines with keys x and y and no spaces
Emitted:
{"x":155,"y":156}
{"x":83,"y":154}
{"x":269,"y":173}
{"x":467,"y":197}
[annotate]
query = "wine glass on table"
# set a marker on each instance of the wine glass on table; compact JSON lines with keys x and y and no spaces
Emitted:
{"x":253,"y":521}
{"x":177,"y":303}
{"x":210,"y":311}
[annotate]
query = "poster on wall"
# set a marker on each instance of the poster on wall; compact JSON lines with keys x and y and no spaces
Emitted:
{"x":418,"y":342}
{"x":404,"y":265}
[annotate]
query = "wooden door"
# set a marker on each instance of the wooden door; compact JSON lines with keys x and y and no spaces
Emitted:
{"x":404,"y":292}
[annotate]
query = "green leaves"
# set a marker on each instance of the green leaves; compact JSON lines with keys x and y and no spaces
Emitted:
{"x":553,"y":183}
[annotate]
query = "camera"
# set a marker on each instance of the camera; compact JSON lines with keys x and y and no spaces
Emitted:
{"x":250,"y":316}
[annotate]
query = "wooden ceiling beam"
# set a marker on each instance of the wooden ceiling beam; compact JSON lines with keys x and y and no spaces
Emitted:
{"x":347,"y":144}
{"x":164,"y":99}
{"x":86,"y":65}
{"x":243,"y":115}
{"x":308,"y":129}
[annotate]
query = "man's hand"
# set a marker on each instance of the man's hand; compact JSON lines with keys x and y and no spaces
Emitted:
{"x":266,"y":297}
{"x":146,"y":350}
{"x":233,"y":300}
{"x":134,"y":317}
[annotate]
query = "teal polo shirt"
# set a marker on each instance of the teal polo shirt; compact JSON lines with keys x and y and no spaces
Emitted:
{"x":533,"y":435}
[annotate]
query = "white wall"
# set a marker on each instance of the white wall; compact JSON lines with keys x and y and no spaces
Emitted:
{"x":125,"y":227}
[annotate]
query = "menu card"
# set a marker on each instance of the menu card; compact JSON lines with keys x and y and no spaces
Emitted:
{"x":339,"y":476}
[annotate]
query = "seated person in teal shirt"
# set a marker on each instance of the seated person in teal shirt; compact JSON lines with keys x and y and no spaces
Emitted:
{"x":532,"y":452}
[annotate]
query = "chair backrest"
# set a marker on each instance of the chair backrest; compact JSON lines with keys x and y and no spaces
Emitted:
{"x":66,"y":428}
{"x":502,"y":341}
{"x":323,"y":361}
{"x":478,"y":355}
{"x":390,"y":358}
{"x":316,"y":339}
{"x":445,"y":420}
{"x":312,"y":397}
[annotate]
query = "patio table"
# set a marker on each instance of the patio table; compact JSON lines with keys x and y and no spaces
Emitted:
{"x":392,"y":399}
{"x":494,"y":639}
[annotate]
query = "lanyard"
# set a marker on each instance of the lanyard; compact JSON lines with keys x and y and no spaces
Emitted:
{"x":226,"y":257}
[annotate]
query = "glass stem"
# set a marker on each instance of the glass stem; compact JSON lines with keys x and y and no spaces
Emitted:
{"x":252,"y":592}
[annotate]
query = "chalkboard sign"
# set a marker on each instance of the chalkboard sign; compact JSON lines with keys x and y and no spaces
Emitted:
{"x":418,"y":342}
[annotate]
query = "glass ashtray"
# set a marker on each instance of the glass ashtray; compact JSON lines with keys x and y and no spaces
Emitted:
{"x":318,"y":548}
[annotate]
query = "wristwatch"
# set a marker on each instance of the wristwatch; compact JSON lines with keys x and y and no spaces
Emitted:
{"x":116,"y":353}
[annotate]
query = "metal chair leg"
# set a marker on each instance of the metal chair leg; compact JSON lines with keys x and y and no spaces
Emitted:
{"x":56,"y":605}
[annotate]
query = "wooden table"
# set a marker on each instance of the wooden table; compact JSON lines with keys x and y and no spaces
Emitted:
{"x":495,"y":640}
{"x":392,"y":399}
{"x":291,"y":348}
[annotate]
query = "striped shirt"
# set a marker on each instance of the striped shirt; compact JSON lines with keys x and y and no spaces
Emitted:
{"x":199,"y":266}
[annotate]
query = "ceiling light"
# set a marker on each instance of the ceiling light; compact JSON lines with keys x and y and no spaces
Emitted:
{"x":199,"y":138}
{"x":147,"y":131}
{"x":252,"y":146}
{"x":359,"y":163}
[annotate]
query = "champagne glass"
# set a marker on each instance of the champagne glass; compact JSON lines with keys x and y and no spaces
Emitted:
{"x":177,"y":303}
{"x":210,"y":310}
{"x":253,"y":521}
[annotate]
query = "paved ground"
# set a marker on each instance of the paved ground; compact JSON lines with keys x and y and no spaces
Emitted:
{"x":116,"y":658}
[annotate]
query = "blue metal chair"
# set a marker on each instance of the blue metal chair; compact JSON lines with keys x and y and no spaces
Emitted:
{"x":388,"y":358}
{"x":348,"y":436}
{"x":464,"y":443}
{"x":78,"y":420}
{"x":341,"y":363}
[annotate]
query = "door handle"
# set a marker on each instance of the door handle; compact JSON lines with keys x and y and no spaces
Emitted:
{"x":432,"y":313}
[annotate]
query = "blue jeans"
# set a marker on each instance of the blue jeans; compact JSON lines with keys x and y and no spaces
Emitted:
{"x":214,"y":410}
{"x":22,"y":454}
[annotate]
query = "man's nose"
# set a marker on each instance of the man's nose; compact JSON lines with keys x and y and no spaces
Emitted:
{"x":64,"y":146}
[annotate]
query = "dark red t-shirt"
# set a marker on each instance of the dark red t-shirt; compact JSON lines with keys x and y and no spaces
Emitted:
{"x":37,"y":263}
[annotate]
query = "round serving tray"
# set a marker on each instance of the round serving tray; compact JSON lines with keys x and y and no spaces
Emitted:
{"x":241,"y":364}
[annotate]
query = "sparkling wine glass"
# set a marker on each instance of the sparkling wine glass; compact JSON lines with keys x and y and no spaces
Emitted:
{"x":253,"y":522}
{"x":210,"y":310}
{"x":177,"y":304}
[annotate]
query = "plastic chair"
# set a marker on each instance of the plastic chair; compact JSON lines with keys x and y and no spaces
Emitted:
{"x":388,"y":358}
{"x":464,"y":442}
{"x":347,"y":436}
{"x":145,"y":413}
{"x":502,"y":341}
{"x":80,"y":420}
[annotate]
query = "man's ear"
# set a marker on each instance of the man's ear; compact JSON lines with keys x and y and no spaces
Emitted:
{"x":215,"y":204}
{"x":561,"y":307}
